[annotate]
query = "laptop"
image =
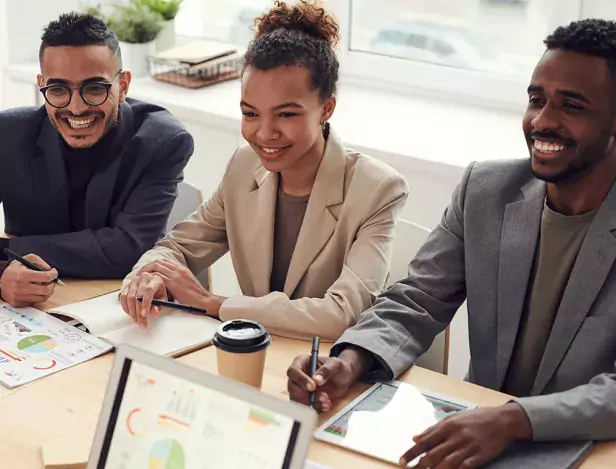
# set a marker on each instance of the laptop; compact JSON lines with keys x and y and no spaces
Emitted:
{"x":161,"y":414}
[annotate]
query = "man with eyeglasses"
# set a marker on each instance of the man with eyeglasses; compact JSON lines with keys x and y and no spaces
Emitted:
{"x":88,"y":180}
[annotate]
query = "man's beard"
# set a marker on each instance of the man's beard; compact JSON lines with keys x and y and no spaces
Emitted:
{"x":570,"y":175}
{"x":577,"y":169}
{"x":112,"y":120}
{"x":575,"y":172}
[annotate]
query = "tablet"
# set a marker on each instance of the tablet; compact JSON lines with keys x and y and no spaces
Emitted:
{"x":382,"y":421}
{"x":161,"y":414}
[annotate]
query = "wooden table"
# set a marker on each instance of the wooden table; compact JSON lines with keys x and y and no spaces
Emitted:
{"x":66,"y":405}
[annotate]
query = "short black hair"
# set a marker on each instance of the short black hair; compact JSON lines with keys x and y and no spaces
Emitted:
{"x":303,"y":35}
{"x":594,"y":37}
{"x":79,"y":29}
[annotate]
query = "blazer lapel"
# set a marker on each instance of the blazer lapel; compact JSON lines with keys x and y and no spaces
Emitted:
{"x":591,"y":268}
{"x":520,"y":232}
{"x":49,"y":172}
{"x":262,"y":209}
{"x":100,"y":189}
{"x":319,"y":224}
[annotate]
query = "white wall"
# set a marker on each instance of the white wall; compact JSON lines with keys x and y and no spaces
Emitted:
{"x":21,"y":27}
{"x":25,"y":22}
{"x":605,"y":9}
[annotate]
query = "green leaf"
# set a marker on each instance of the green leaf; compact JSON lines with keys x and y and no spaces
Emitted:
{"x":168,"y":9}
{"x":135,"y":23}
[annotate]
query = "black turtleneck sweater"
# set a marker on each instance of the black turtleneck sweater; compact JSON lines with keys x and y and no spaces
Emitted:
{"x":81,"y":164}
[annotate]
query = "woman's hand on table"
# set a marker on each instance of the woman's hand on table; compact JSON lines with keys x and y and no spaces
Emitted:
{"x":148,"y":287}
{"x":181,"y":283}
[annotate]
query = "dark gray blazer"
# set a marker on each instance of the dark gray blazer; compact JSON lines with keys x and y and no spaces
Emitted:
{"x":127,"y":202}
{"x":483,"y":251}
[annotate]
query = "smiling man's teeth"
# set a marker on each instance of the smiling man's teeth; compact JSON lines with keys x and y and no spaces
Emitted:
{"x":547,"y":147}
{"x":80,"y":123}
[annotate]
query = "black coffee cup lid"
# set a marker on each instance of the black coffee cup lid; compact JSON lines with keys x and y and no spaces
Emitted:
{"x":241,"y":336}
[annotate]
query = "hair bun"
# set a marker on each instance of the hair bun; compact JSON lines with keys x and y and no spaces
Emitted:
{"x":307,"y":17}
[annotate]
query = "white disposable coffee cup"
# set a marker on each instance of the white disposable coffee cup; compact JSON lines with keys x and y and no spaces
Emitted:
{"x":241,"y":347}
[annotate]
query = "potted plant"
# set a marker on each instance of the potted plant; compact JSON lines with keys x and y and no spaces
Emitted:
{"x":136,"y":27}
{"x":168,"y":9}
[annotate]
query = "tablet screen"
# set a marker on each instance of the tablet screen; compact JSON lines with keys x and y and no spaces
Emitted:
{"x":385,"y":421}
{"x":161,"y":421}
{"x":379,"y":398}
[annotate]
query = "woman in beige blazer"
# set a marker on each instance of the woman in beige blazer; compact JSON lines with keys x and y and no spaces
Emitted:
{"x":309,"y":224}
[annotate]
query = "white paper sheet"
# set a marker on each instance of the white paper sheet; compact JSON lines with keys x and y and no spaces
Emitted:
{"x":34,"y":344}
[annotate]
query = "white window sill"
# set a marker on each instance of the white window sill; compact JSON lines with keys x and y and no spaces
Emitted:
{"x":369,"y":120}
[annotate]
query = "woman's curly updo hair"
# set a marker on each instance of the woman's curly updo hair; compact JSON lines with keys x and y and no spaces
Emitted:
{"x":297,"y":35}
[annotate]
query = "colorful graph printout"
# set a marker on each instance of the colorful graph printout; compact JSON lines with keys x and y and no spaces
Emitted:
{"x":34,"y":344}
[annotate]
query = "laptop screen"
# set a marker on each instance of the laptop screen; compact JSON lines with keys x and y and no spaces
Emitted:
{"x":161,"y":421}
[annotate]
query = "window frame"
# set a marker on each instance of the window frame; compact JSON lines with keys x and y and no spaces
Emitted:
{"x":477,"y":88}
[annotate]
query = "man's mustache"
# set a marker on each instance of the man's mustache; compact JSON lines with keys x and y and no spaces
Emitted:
{"x":70,"y":115}
{"x":550,"y":137}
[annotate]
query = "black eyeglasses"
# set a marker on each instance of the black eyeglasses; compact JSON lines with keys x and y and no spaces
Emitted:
{"x":93,"y":94}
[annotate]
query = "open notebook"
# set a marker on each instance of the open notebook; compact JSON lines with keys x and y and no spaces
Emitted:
{"x":173,"y":333}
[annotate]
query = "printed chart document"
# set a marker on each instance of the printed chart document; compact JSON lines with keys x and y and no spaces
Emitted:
{"x":173,"y":333}
{"x":34,"y":344}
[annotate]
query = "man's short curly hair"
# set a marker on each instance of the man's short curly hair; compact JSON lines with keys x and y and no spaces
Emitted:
{"x":594,"y":37}
{"x":79,"y":29}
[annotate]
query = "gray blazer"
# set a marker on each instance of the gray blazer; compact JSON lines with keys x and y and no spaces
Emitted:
{"x":483,"y":251}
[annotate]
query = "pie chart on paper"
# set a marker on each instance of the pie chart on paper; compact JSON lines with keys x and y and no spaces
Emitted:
{"x":37,"y":344}
{"x":167,"y":454}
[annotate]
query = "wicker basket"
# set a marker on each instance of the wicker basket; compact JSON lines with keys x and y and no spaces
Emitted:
{"x":193,"y":76}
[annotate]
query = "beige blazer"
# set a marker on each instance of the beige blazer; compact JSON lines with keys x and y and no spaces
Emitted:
{"x":342,"y":254}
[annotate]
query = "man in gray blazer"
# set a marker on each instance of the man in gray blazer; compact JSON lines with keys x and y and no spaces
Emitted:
{"x":530,"y":244}
{"x":87,"y":181}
